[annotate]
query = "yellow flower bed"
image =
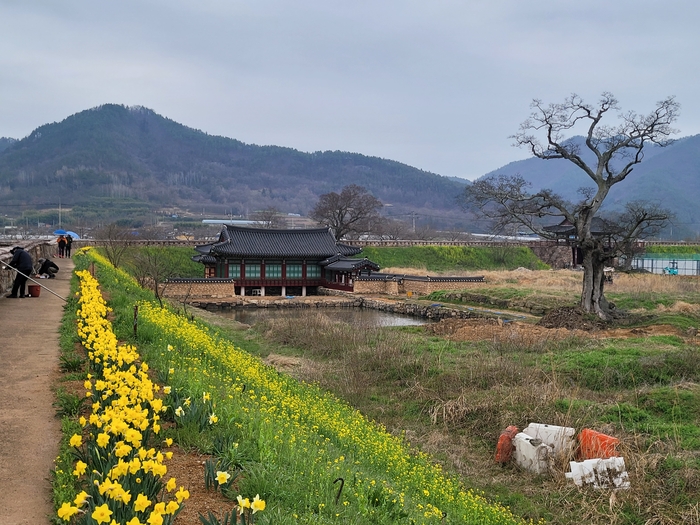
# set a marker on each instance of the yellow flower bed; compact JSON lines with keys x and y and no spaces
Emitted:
{"x":123,"y":479}
{"x":291,"y":419}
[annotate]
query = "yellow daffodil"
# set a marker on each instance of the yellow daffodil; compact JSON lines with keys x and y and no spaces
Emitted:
{"x":81,"y":498}
{"x":76,"y":440}
{"x":79,"y":469}
{"x":182,"y":494}
{"x":103,"y":440}
{"x":213,"y":418}
{"x":171,"y":507}
{"x":171,"y":485}
{"x":141,"y":503}
{"x":243,"y":503}
{"x":156,"y":518}
{"x":67,"y":511}
{"x":179,"y":412}
{"x":222,"y":477}
{"x":101,"y":514}
{"x":168,"y":442}
{"x":257,"y":504}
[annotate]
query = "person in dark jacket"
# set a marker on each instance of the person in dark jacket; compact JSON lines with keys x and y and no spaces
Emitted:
{"x":69,"y":245}
{"x":47,"y":267}
{"x":61,"y":246}
{"x":22,"y":262}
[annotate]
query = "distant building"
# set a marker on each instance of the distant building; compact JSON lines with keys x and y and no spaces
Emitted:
{"x":565,"y":231}
{"x":282,"y":262}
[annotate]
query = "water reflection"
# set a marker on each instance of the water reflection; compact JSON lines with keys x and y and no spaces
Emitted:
{"x":354,"y":316}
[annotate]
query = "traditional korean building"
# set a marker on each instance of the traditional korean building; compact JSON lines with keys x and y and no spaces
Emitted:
{"x":565,"y":231}
{"x":282,"y":262}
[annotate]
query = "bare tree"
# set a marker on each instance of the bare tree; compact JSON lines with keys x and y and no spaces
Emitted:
{"x":350,"y":212}
{"x":392,"y":229}
{"x":617,"y":149}
{"x":270,"y":218}
{"x":152,"y":266}
{"x":116,"y":242}
{"x":637,"y":221}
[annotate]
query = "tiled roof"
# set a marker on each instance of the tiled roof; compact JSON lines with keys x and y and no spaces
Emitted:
{"x":598,"y":227}
{"x":348,"y":264}
{"x":236,"y":241}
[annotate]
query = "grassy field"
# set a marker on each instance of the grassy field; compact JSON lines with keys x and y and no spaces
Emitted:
{"x":451,"y":396}
{"x":453,"y":258}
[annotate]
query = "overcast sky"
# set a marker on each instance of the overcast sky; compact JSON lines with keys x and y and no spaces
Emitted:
{"x":437,"y":84}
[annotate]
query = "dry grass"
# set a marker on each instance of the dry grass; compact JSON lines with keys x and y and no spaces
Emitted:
{"x":466,"y":398}
{"x":570,"y":280}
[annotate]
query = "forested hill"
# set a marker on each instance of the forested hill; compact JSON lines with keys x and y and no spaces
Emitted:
{"x":114,"y":152}
{"x":5,"y":143}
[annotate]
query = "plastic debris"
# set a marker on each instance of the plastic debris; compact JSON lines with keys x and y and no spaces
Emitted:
{"x":600,"y":473}
{"x":504,"y":448}
{"x":593,"y":445}
{"x":561,"y":439}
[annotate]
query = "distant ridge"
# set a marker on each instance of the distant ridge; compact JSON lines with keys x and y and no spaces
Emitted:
{"x":117,"y":153}
{"x":668,"y":175}
{"x":6,"y":142}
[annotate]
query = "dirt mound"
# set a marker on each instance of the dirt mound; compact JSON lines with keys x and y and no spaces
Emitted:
{"x":498,"y":331}
{"x":572,"y":318}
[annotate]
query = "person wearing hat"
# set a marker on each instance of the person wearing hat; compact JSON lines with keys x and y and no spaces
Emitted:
{"x":47,"y":267}
{"x":22,"y":262}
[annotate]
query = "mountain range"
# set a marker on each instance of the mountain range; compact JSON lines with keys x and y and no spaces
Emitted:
{"x":114,"y":154}
{"x":669,"y":176}
{"x":113,"y":160}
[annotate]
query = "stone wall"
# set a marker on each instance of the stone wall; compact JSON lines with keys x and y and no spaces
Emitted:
{"x":200,"y":289}
{"x":557,"y":256}
{"x":37,"y":250}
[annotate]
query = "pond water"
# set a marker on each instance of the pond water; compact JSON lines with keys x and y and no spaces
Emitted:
{"x":354,"y":316}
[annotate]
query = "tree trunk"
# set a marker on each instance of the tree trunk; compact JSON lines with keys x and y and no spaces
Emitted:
{"x":593,"y":298}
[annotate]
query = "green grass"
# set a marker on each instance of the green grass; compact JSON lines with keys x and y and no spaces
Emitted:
{"x":666,"y":413}
{"x":631,"y":363}
{"x":453,"y":258}
{"x":455,"y":398}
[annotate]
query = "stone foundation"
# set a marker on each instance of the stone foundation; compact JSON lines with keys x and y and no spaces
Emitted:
{"x":192,"y":290}
{"x":408,"y":285}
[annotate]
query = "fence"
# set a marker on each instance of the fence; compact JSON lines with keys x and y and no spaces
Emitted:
{"x":682,"y":264}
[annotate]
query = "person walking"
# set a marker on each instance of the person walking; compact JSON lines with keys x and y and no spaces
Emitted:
{"x":69,"y":244}
{"x":22,"y":262}
{"x":61,"y":246}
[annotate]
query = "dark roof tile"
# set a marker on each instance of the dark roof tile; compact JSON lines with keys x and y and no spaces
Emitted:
{"x":236,"y":241}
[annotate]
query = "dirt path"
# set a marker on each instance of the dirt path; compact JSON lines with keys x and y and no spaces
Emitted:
{"x":29,"y":431}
